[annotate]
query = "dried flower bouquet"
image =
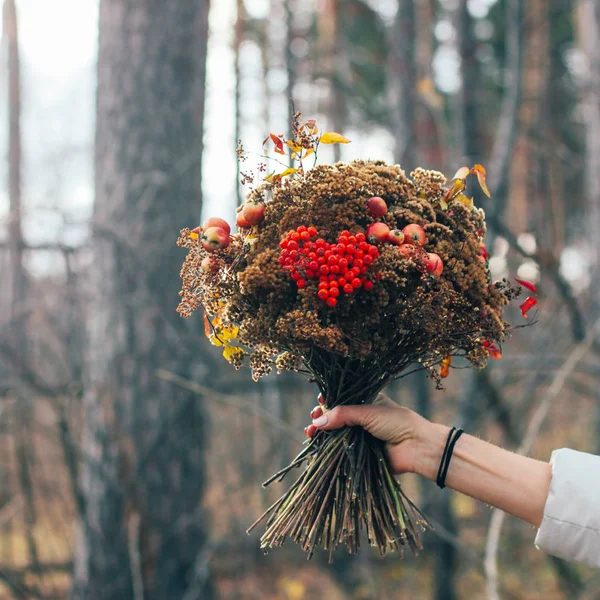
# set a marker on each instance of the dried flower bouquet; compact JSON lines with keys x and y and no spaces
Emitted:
{"x":353,"y":275}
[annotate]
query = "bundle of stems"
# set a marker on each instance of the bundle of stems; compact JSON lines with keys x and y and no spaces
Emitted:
{"x":347,"y":486}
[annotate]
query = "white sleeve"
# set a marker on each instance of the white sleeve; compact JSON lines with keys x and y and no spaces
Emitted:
{"x":570,"y":527}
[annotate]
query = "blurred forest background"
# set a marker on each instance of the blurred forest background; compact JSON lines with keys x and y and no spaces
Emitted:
{"x":131,"y":454}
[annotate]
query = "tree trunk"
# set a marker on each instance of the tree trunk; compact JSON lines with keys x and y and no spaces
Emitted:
{"x":333,"y":66}
{"x":588,"y":32}
{"x":142,"y":534}
{"x":15,"y":237}
{"x":239,"y":34}
{"x":467,"y":113}
{"x":16,"y":282}
{"x":402,"y":78}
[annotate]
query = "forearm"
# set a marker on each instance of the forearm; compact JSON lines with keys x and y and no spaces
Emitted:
{"x":513,"y":483}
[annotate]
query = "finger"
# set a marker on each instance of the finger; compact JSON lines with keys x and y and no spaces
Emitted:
{"x":342,"y":416}
{"x":316,"y":412}
{"x":310,"y":431}
{"x":321,"y":400}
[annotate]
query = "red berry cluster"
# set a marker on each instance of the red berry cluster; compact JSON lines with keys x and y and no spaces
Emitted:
{"x":340,"y":267}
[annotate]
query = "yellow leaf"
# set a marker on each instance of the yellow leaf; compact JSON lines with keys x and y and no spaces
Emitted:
{"x":456,"y":188}
{"x":462,"y":173}
{"x":214,"y":340}
{"x":288,"y":171}
{"x":443,"y":205}
{"x":232,"y":352}
{"x":273,"y":177}
{"x":229,"y":333}
{"x":330,"y":137}
{"x":295,"y":147}
{"x":481,"y":177}
{"x":308,"y":153}
{"x":468,"y":202}
{"x":193,"y":235}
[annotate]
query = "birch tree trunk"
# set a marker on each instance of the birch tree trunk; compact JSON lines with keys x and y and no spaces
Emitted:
{"x":588,"y":31}
{"x":142,"y":534}
{"x":15,"y":281}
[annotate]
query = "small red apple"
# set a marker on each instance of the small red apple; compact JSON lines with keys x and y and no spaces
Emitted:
{"x":433,"y":263}
{"x":209,"y":265}
{"x":396,"y":237}
{"x":216,"y":222}
{"x":378,"y":232}
{"x":438,"y":270}
{"x":254,"y":212}
{"x":408,"y":250}
{"x":414,"y":234}
{"x":376,"y":206}
{"x":241,"y":221}
{"x":214,"y":238}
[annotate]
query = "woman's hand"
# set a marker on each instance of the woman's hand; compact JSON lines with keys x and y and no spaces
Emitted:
{"x":402,"y":429}
{"x":513,"y":483}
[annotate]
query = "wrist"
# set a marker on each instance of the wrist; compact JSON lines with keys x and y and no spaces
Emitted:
{"x":431,"y":440}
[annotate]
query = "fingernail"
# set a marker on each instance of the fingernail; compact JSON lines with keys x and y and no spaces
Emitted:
{"x":322,"y":420}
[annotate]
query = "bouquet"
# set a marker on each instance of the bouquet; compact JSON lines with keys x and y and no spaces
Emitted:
{"x":353,"y":275}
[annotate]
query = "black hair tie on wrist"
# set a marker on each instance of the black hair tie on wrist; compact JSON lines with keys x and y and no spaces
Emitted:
{"x":446,"y":456}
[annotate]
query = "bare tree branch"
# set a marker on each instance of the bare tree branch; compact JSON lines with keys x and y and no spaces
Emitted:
{"x":231,"y":400}
{"x":533,"y":429}
{"x":549,"y":266}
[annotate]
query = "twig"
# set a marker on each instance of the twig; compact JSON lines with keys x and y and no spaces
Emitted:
{"x":135,"y":559}
{"x":230,"y":400}
{"x":549,"y":265}
{"x":201,"y":575}
{"x":491,"y":550}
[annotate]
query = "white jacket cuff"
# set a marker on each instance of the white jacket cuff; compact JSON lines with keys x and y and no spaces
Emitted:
{"x":570,"y":527}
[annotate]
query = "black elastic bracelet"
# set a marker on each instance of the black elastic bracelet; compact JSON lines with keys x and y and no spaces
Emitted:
{"x":446,"y":456}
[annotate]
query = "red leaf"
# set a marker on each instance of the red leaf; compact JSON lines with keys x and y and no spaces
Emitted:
{"x":527,"y":284}
{"x":207,"y":326}
{"x":445,"y":370}
{"x":278,"y":142}
{"x":527,"y":306}
{"x":493,"y":350}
